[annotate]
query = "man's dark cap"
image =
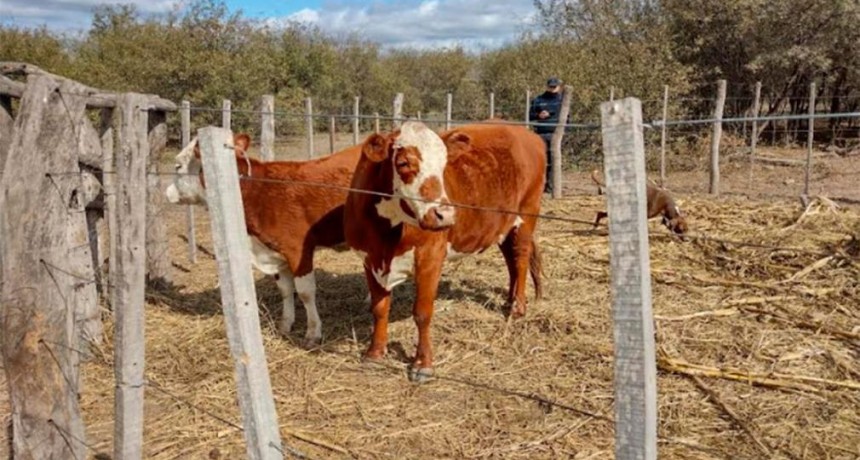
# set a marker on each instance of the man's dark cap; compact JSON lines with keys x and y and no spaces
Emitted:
{"x":553,"y":81}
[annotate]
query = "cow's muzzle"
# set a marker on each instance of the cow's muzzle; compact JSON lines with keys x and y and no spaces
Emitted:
{"x":437,"y":218}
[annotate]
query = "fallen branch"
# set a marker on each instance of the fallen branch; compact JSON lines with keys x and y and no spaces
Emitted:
{"x":317,"y":442}
{"x":701,"y":314}
{"x":731,"y":413}
{"x":803,"y":324}
{"x":773,"y":380}
{"x":807,"y":270}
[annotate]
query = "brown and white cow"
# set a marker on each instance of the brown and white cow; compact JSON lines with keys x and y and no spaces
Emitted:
{"x":434,"y":185}
{"x":287,"y":215}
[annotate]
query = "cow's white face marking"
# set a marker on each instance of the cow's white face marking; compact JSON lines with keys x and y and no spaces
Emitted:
{"x":186,"y":187}
{"x":389,"y":208}
{"x":424,"y":190}
{"x":399,"y":271}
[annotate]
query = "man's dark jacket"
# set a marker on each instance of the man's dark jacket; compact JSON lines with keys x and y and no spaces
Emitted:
{"x":551,"y":102}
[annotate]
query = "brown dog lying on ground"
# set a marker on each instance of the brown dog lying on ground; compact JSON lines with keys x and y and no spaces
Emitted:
{"x":660,"y":202}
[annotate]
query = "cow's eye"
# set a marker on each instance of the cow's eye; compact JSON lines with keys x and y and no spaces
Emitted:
{"x":178,"y":166}
{"x":401,"y":164}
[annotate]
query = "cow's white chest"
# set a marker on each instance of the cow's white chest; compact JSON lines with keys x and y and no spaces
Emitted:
{"x":263,"y":258}
{"x":399,"y":271}
{"x":452,"y":254}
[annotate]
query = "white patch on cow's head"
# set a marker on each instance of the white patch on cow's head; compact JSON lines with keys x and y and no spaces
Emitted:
{"x":422,"y":191}
{"x":186,"y":187}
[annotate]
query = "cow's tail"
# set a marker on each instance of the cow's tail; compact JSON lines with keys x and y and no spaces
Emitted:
{"x":536,"y":269}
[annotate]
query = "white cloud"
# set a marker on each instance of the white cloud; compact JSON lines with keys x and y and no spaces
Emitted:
{"x":424,"y":24}
{"x":67,"y":15}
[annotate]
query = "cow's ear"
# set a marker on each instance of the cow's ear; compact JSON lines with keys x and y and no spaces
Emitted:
{"x":375,"y":148}
{"x":241,"y":143}
{"x":458,"y":139}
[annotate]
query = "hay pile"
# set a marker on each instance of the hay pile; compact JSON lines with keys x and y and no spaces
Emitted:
{"x":758,"y":351}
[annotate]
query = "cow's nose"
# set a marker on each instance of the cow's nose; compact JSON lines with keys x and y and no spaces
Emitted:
{"x":438,"y":218}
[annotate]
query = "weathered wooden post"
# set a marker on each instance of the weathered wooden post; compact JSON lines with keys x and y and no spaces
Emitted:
{"x":267,"y":133}
{"x":238,"y":297}
{"x":635,"y":360}
{"x":106,"y":134}
{"x":528,"y":107}
{"x":226,"y":113}
{"x":129,"y":279}
{"x":810,"y":137}
{"x":185,"y":122}
{"x":376,"y":122}
{"x":6,"y":128}
{"x":44,"y":256}
{"x":663,"y":136}
{"x":754,"y":137}
{"x":331,"y":133}
{"x":159,"y":265}
{"x":611,"y":93}
{"x":492,"y":105}
{"x":309,"y":114}
{"x":555,"y":143}
{"x":448,"y":107}
{"x":714,"y":186}
{"x":356,"y":114}
{"x":398,"y":110}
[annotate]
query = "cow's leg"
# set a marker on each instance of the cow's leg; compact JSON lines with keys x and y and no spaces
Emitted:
{"x":428,"y":270}
{"x":507,"y":248}
{"x":307,"y":288}
{"x":522,"y":240}
{"x":380,"y":305}
{"x":287,"y":286}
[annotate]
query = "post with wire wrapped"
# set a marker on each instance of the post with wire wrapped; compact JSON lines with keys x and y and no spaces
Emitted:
{"x":635,"y":361}
{"x":238,"y":296}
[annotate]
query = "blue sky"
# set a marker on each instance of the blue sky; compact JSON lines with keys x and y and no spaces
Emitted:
{"x":474,"y":24}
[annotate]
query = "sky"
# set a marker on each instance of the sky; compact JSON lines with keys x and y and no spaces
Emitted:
{"x":473,"y":24}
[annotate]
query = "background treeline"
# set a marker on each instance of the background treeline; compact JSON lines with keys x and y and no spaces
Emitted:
{"x":204,"y":54}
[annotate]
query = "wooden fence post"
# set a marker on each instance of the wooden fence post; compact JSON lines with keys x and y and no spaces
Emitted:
{"x":44,"y":255}
{"x":185,"y":121}
{"x":555,"y":143}
{"x":492,"y":104}
{"x":129,"y":279}
{"x":6,"y":128}
{"x":107,"y":133}
{"x":635,"y":360}
{"x":356,"y":133}
{"x":754,"y":137}
{"x":267,"y":132}
{"x":448,"y":107}
{"x":238,"y":297}
{"x":528,"y":107}
{"x":398,"y":110}
{"x":309,"y":113}
{"x":663,"y":136}
{"x":376,"y":122}
{"x":331,"y":133}
{"x":159,"y":265}
{"x":226,"y":113}
{"x":611,"y":93}
{"x":714,"y":186}
{"x":810,"y":135}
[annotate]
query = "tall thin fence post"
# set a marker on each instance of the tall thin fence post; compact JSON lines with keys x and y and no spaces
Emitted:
{"x":398,"y":110}
{"x":448,"y":109}
{"x":754,"y":135}
{"x":492,"y":105}
{"x":528,"y":107}
{"x":159,"y":266}
{"x":714,"y":184}
{"x":185,"y":122}
{"x":130,"y":277}
{"x":376,"y":122}
{"x":309,"y":120}
{"x":355,"y":119}
{"x":226,"y":114}
{"x":238,"y":296}
{"x":810,"y":136}
{"x":555,"y":143}
{"x":611,"y":93}
{"x":267,"y":132}
{"x":663,"y":136}
{"x":331,"y":133}
{"x":107,"y":133}
{"x":635,"y":359}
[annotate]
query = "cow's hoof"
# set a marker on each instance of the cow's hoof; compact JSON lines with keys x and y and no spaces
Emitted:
{"x":311,"y":342}
{"x":420,"y":375}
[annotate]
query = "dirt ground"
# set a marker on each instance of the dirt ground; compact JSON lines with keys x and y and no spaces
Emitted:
{"x":785,"y":320}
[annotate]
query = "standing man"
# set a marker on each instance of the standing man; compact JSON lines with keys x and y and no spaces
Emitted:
{"x":544,"y":110}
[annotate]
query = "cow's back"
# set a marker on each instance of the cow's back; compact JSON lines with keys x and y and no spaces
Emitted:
{"x":501,"y":168}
